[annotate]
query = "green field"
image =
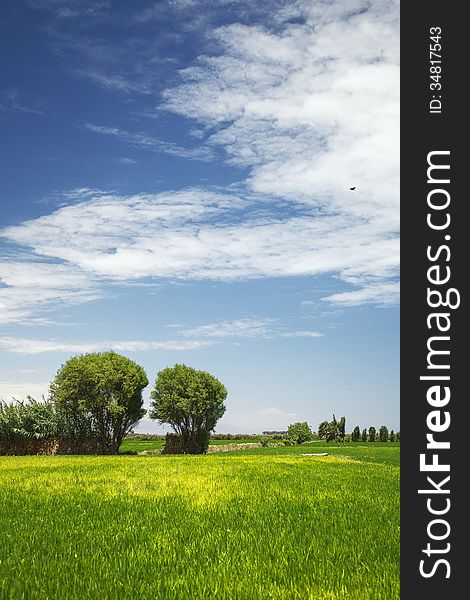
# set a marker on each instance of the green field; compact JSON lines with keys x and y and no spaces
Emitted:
{"x":256,"y":524}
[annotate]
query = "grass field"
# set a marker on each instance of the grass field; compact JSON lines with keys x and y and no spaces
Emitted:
{"x":256,"y":524}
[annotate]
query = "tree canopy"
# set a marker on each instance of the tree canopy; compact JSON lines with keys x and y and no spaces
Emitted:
{"x":106,"y":386}
{"x":333,"y":430}
{"x":191,"y":402}
{"x":300,"y":432}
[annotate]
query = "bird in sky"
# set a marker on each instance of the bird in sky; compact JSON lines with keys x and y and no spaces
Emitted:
{"x":352,"y":189}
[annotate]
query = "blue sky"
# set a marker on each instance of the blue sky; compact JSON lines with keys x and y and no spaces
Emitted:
{"x":176,"y":186}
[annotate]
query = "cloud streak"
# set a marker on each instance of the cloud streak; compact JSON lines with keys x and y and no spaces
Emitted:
{"x":189,"y":339}
{"x":34,"y":346}
{"x":248,"y":327}
{"x":145,"y":141}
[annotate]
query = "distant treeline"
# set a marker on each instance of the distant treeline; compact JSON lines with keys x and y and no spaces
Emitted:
{"x":372,"y":435}
{"x":214,"y":436}
{"x":365,"y":435}
{"x":335,"y":430}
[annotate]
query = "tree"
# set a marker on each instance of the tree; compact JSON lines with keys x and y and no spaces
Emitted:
{"x":323,"y":429}
{"x":191,"y":402}
{"x":105,"y":386}
{"x":392,"y":436}
{"x":383,"y":434}
{"x":397,"y":436}
{"x":341,"y":429}
{"x":364,"y":435}
{"x":372,"y":434}
{"x":299,"y":432}
{"x":333,"y":430}
{"x":356,"y":434}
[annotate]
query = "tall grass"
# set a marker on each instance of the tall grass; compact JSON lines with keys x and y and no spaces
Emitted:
{"x":224,"y":526}
{"x":30,"y":419}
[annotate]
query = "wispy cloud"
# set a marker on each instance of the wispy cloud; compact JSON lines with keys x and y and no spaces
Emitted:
{"x":71,"y":9}
{"x":117,"y":81}
{"x":148,"y":142}
{"x":10,"y":101}
{"x":382,"y":294}
{"x":185,"y":339}
{"x":35,"y":346}
{"x":273,"y":412}
{"x":126,"y":161}
{"x":248,"y":327}
{"x":29,"y":287}
{"x":72,"y":253}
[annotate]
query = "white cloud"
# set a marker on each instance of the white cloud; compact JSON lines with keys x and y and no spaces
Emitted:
{"x":203,"y":235}
{"x":31,"y":287}
{"x":313,"y":109}
{"x":34,"y":346}
{"x":301,"y":334}
{"x":385,"y":294}
{"x":126,"y":161}
{"x":189,"y":339}
{"x":191,"y":234}
{"x":248,"y":327}
{"x":272,"y":411}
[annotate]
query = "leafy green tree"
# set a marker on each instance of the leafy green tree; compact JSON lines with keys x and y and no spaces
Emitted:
{"x":191,"y":402}
{"x":392,"y":436}
{"x":356,"y":434}
{"x":299,"y":432}
{"x":341,"y":429}
{"x":106,"y":387}
{"x":383,"y":434}
{"x":333,"y":430}
{"x":323,"y":429}
{"x":372,"y":434}
{"x":364,"y":435}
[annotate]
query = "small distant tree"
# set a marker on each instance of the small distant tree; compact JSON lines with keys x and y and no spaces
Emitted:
{"x":356,"y":434}
{"x":299,"y":432}
{"x":383,"y":434}
{"x":323,"y":429}
{"x":105,"y":387}
{"x":372,"y":434}
{"x":191,"y":402}
{"x":364,"y":435}
{"x":333,"y":430}
{"x":392,"y":436}
{"x":341,"y":429}
{"x":397,"y":436}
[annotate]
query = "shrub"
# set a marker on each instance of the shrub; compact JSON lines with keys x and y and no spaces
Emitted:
{"x":299,"y":432}
{"x":30,"y":419}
